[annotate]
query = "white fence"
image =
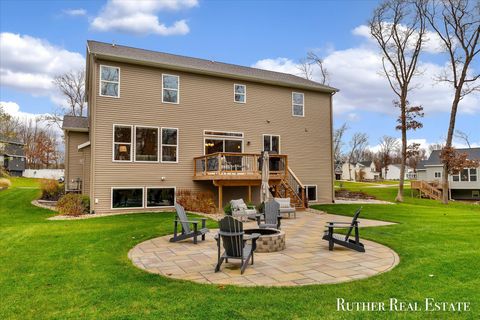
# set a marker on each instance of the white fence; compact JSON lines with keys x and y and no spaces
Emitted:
{"x":44,"y":173}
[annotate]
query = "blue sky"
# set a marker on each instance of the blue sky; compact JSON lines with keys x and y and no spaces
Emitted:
{"x":264,"y":34}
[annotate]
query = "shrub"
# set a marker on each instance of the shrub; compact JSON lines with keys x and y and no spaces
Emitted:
{"x":73,"y":204}
{"x":51,"y":189}
{"x":228,"y":209}
{"x":5,"y":183}
{"x":196,"y":201}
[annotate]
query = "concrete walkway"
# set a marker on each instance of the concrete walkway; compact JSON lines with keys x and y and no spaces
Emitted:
{"x":306,"y":259}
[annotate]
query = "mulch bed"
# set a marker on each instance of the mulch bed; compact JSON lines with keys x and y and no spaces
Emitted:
{"x":347,"y":194}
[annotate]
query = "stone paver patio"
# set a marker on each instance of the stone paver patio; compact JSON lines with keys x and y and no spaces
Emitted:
{"x":306,"y":259}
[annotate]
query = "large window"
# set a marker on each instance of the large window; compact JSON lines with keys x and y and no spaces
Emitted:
{"x":169,"y":145}
{"x":160,"y":197}
{"x":271,"y":143}
{"x":146,"y":144}
{"x":473,"y":174}
{"x":122,"y":143}
{"x":109,"y":81}
{"x":466,"y":175}
{"x":240,"y":93}
{"x":170,"y":88}
{"x":127,"y":198}
{"x":298,"y":104}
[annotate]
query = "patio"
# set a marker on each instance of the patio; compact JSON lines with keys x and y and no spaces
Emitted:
{"x":306,"y":259}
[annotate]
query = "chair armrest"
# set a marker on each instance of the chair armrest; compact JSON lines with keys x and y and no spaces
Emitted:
{"x":189,"y":221}
{"x":338,"y":222}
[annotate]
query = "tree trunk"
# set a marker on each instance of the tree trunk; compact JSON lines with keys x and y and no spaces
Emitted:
{"x":349,"y":170}
{"x":403,"y":106}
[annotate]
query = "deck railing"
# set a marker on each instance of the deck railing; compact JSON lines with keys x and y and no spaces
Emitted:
{"x":230,"y":163}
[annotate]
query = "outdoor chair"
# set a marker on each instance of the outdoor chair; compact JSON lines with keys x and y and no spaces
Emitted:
{"x":234,"y":242}
{"x":241,"y":211}
{"x":271,"y":215}
{"x":185,"y":223}
{"x":344,"y":240}
{"x":286,"y":207}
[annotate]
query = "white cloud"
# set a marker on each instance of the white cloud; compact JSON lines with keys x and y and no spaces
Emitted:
{"x":29,"y":64}
{"x":357,"y":72}
{"x":139,"y":17}
{"x":75,"y":12}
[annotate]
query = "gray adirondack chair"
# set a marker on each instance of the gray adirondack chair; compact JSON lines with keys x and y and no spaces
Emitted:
{"x":344,"y":240}
{"x":185,"y":224}
{"x":234,"y":242}
{"x":271,"y":216}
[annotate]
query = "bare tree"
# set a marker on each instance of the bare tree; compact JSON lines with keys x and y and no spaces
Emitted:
{"x":314,"y":59}
{"x":457,"y":24}
{"x":398,"y":26}
{"x":358,"y":144}
{"x":338,"y":142}
{"x":72,"y":86}
{"x":388,"y":146}
{"x":305,"y":68}
{"x":463,"y":136}
{"x":434,"y":146}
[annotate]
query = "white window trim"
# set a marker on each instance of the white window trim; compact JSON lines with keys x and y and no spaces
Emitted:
{"x":244,"y":94}
{"x":437,"y":173}
{"x":271,"y":135}
{"x":295,"y":104}
{"x":169,"y":145}
{"x":222,"y":139}
{"x":316,"y":192}
{"x":178,"y":88}
{"x":215,"y":135}
{"x":160,"y":187}
{"x":131,"y":142}
{"x":135,"y":144}
{"x":127,"y":188}
{"x":100,"y":82}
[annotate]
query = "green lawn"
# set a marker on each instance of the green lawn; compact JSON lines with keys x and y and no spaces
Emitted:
{"x":80,"y":270}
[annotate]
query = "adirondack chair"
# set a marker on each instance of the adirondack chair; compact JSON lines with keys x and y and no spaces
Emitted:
{"x":185,"y":223}
{"x":234,"y":242}
{"x":344,"y":240}
{"x":271,"y":216}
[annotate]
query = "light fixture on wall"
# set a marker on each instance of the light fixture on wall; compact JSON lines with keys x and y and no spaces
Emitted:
{"x":248,"y":143}
{"x":162,"y":178}
{"x":268,"y":121}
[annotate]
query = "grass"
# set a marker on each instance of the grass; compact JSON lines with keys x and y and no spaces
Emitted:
{"x":79,"y":269}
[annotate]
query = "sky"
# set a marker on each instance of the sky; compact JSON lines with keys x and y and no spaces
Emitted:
{"x":41,"y":39}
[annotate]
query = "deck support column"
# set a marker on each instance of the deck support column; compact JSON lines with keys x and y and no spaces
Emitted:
{"x":249,"y":193}
{"x":220,"y":199}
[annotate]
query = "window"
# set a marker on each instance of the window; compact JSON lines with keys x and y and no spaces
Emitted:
{"x":223,"y":133}
{"x":127,"y":198}
{"x":473,"y":174}
{"x":170,"y":88}
{"x":160,"y":197}
{"x":122,"y":143}
{"x":240,"y":93}
{"x":475,"y":193}
{"x":464,"y":175}
{"x":455,"y":177}
{"x":146,"y":144}
{"x":298,"y":104}
{"x":169,"y":145}
{"x":438,"y":174}
{"x":311,"y":192}
{"x":109,"y":81}
{"x":271,"y":143}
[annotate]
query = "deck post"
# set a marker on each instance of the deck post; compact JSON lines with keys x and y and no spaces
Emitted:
{"x":220,"y":198}
{"x":249,"y":193}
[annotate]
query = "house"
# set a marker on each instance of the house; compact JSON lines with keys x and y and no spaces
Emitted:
{"x":392,"y":172}
{"x":12,"y":156}
{"x":463,"y":186}
{"x":362,"y":170}
{"x":158,"y":123}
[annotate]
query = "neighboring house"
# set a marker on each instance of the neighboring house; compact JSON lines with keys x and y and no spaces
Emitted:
{"x":463,"y":186}
{"x":392,"y":172}
{"x":159,"y":122}
{"x":12,"y":156}
{"x":368,"y":169}
{"x":348,"y":171}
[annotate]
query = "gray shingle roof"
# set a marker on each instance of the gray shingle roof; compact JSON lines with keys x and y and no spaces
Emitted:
{"x":109,"y":51}
{"x":434,"y":159}
{"x":72,"y":122}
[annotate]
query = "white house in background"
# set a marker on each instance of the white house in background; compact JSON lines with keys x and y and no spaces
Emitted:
{"x":392,"y":172}
{"x":463,"y":186}
{"x":348,"y":171}
{"x":352,"y":171}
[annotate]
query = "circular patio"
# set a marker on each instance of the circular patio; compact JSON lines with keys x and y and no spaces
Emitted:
{"x":306,"y":259}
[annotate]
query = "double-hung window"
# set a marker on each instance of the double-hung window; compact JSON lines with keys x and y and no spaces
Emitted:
{"x":170,"y":88}
{"x":122,"y":143}
{"x":169,"y":145}
{"x":473,"y":174}
{"x":146,"y":144}
{"x":109,"y":81}
{"x":298,"y":104}
{"x":240,"y":93}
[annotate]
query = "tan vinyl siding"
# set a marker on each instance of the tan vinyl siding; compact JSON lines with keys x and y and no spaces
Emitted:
{"x":74,"y":161}
{"x":206,"y":103}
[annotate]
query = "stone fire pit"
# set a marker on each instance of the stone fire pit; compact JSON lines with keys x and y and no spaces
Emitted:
{"x":271,"y":240}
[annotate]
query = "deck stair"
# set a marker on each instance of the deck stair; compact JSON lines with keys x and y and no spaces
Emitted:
{"x":426,"y":189}
{"x":291,"y":187}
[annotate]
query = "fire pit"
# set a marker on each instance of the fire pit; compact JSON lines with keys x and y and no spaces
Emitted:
{"x":271,"y":240}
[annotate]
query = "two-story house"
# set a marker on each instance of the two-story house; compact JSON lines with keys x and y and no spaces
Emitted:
{"x":12,"y":156}
{"x":463,"y":186}
{"x":159,"y":122}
